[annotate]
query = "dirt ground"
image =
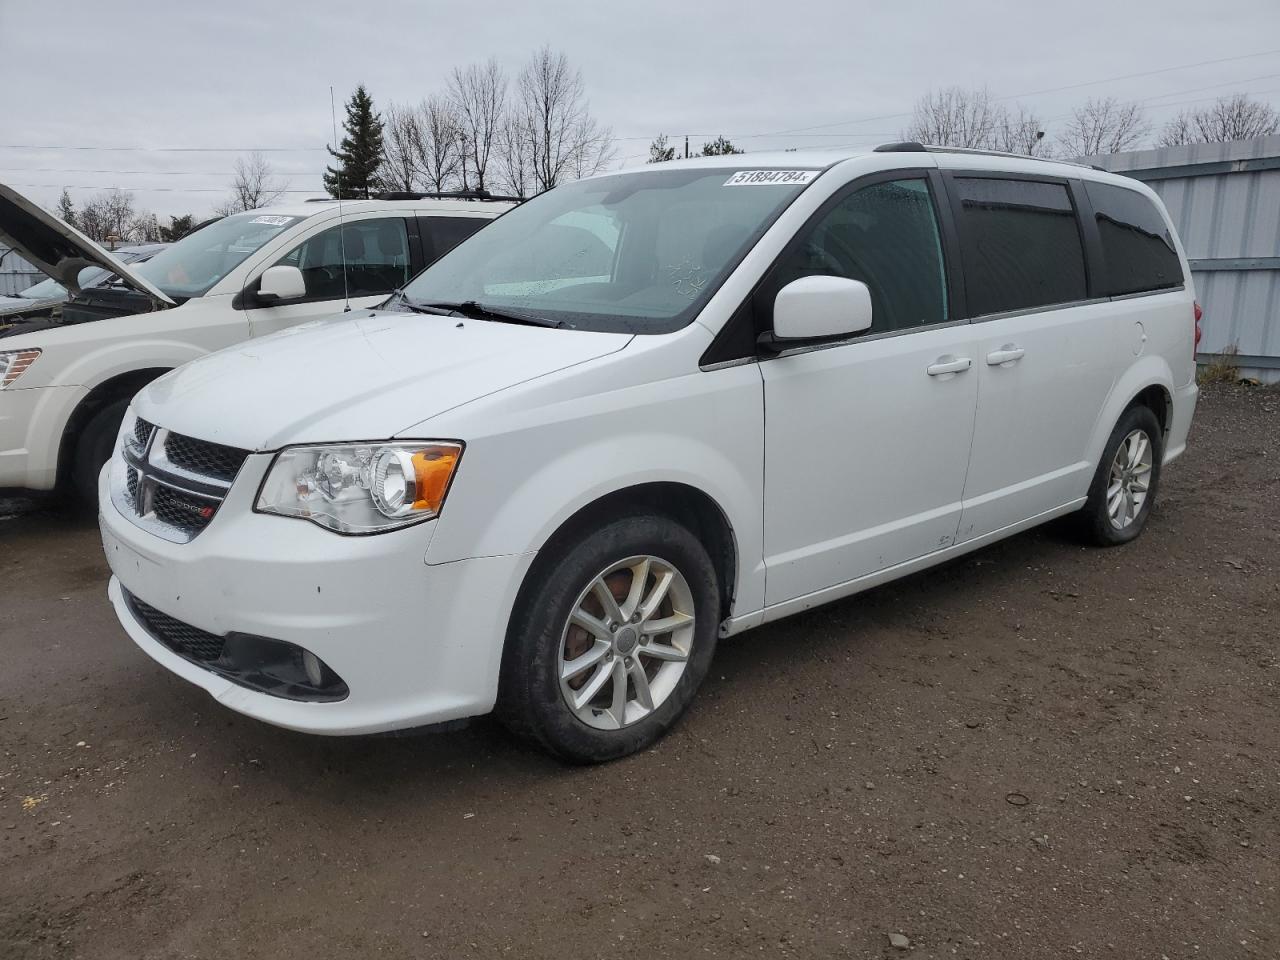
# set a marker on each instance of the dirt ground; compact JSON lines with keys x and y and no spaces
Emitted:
{"x":1037,"y":751}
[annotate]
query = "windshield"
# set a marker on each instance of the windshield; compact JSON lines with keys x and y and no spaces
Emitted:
{"x":51,"y":289}
{"x":199,"y":260}
{"x":633,"y":252}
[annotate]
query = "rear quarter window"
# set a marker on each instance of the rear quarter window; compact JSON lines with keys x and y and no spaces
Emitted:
{"x":1138,"y":251}
{"x":1021,"y":244}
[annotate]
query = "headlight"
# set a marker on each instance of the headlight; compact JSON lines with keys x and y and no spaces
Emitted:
{"x":360,"y":487}
{"x":13,"y":363}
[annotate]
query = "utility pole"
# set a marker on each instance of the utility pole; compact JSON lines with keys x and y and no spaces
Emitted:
{"x":686,"y":146}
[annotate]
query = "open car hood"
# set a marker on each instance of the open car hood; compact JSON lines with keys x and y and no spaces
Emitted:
{"x":59,"y":249}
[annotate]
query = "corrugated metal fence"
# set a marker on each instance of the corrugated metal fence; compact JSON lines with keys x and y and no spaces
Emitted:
{"x":1225,"y":201}
{"x":15,"y":273}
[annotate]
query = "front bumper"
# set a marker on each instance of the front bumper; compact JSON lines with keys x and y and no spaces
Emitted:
{"x":416,"y":644}
{"x":32,"y":421}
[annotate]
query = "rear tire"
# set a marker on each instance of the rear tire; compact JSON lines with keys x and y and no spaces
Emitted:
{"x":1125,"y":483}
{"x":93,"y":448}
{"x":643,"y":678}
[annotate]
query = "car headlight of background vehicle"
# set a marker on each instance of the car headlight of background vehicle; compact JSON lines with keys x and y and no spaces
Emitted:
{"x":361,"y":487}
{"x":13,"y":363}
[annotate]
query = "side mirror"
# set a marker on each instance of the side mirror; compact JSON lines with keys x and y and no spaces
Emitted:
{"x":814,"y":308}
{"x":281,"y":283}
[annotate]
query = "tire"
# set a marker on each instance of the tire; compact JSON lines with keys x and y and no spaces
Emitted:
{"x":533,"y":699}
{"x":1095,"y":522}
{"x":93,"y":448}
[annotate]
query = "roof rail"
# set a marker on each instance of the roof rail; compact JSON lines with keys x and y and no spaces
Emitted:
{"x":445,"y":195}
{"x":911,"y":146}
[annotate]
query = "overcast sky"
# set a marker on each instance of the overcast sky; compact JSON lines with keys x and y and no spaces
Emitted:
{"x":230,"y":75}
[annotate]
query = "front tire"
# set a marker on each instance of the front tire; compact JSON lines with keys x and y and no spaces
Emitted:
{"x":610,"y":640}
{"x":93,"y":449}
{"x":1124,"y":486}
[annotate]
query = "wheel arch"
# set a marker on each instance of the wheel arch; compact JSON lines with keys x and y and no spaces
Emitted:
{"x":1149,"y":383}
{"x":122,"y":386}
{"x":687,"y":505}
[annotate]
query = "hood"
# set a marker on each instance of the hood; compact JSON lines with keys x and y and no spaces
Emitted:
{"x":357,"y":376}
{"x":58,"y":249}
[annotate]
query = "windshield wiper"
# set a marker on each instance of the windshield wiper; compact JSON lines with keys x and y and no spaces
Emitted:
{"x":400,"y":301}
{"x":473,"y":308}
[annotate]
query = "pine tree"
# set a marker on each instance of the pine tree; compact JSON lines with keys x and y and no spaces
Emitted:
{"x":360,"y":154}
{"x":719,"y":147}
{"x":66,"y":209}
{"x":659,"y":151}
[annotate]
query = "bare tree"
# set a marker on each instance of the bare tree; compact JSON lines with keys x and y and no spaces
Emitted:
{"x":1019,"y":131}
{"x":440,"y":146}
{"x":552,"y":107}
{"x":108,"y":217}
{"x":254,"y":186}
{"x":955,"y":117}
{"x":1236,"y":117}
{"x":478,"y":94}
{"x":1103,"y":125}
{"x":401,"y":148}
{"x":514,"y":152}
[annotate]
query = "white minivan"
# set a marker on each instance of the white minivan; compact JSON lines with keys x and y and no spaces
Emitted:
{"x":66,"y":380}
{"x":642,"y":412}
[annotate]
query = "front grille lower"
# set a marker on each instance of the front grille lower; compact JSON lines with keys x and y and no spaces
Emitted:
{"x":173,"y":484}
{"x":182,"y":638}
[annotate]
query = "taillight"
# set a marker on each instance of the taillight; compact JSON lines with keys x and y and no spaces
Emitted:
{"x":1199,"y":332}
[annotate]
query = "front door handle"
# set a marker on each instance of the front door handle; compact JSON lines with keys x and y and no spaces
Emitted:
{"x":945,"y":365}
{"x":1009,"y":353}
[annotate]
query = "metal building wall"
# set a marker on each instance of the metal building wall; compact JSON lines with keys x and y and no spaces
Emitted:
{"x":15,"y":273}
{"x":1224,"y":199}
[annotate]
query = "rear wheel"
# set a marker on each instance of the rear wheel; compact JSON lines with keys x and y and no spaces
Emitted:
{"x":611,"y":640}
{"x":93,"y":448}
{"x":1124,"y":486}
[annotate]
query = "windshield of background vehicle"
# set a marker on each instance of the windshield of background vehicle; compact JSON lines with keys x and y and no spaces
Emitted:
{"x":199,"y":260}
{"x":50,"y":289}
{"x":632,"y":253}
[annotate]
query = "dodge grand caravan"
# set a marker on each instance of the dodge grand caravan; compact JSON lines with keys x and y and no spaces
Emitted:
{"x":642,"y":412}
{"x":65,"y":383}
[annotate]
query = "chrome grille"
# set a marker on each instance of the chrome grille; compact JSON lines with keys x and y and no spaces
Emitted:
{"x":172,"y":484}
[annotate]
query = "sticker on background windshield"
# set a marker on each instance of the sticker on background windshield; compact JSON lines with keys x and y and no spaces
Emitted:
{"x":274,"y":221}
{"x":753,"y":178}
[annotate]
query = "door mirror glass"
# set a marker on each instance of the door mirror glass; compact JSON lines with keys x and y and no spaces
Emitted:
{"x":813,"y":307}
{"x":281,"y":283}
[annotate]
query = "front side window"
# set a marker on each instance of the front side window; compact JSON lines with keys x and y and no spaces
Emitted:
{"x":1020,"y":243}
{"x":190,"y":267}
{"x":885,"y":235}
{"x":630,"y":252}
{"x":375,"y":254}
{"x":1137,"y":247}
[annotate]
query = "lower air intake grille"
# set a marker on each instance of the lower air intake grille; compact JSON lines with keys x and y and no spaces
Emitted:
{"x":183,"y":639}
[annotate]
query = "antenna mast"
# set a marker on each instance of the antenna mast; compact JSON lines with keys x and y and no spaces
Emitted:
{"x":342,"y":232}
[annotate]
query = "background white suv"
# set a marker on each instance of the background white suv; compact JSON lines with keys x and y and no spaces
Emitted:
{"x":64,"y":387}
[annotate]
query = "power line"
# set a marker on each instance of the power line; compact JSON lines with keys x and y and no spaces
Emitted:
{"x":37,"y":146}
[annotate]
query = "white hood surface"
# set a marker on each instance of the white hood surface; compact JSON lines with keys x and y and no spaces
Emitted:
{"x":358,"y":376}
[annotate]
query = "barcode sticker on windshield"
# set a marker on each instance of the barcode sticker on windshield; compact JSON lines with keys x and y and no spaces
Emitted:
{"x":753,"y":178}
{"x":274,"y":221}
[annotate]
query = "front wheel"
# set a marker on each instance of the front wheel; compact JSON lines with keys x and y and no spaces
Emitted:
{"x":93,"y":449}
{"x":1124,"y":486}
{"x":611,"y":640}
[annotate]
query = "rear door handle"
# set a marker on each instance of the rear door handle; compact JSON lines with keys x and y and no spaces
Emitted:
{"x":1006,"y":354}
{"x":942,"y":366}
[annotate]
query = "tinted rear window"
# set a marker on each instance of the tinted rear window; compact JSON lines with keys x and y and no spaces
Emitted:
{"x":1137,"y":247}
{"x":445,"y":233}
{"x":1021,"y":245}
